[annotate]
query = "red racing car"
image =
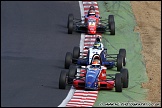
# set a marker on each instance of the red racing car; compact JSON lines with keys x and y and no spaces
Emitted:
{"x":91,"y":24}
{"x":94,"y":77}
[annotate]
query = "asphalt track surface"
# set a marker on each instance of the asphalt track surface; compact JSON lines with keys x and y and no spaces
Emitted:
{"x":34,"y":41}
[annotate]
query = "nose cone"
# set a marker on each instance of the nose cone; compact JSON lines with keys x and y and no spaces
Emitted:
{"x":91,"y":82}
{"x":91,"y":79}
{"x":92,"y":31}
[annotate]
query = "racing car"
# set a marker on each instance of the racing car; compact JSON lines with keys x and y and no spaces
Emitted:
{"x":94,"y":78}
{"x":96,"y":52}
{"x":91,"y":24}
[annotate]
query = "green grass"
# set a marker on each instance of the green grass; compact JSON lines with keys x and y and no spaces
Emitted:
{"x":124,"y":37}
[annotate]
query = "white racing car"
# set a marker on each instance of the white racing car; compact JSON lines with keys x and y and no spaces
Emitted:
{"x":97,"y":51}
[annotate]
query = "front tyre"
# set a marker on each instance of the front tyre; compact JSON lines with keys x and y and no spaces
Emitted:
{"x":62,"y":80}
{"x":125,"y":77}
{"x":118,"y":82}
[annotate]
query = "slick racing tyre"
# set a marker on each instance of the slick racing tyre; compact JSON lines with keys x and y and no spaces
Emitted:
{"x":125,"y":77}
{"x":119,"y":62}
{"x":62,"y":80}
{"x":70,"y":18}
{"x":70,"y":27}
{"x":110,"y":19}
{"x":112,"y":28}
{"x":71,"y":73}
{"x":76,"y":52}
{"x":68,"y":60}
{"x":123,"y":53}
{"x":118,"y":82}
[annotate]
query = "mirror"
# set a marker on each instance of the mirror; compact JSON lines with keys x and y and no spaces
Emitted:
{"x":100,"y":17}
{"x":83,"y":16}
{"x":86,"y":47}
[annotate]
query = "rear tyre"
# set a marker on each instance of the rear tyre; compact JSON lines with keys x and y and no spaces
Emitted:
{"x":118,"y":82}
{"x":71,"y":73}
{"x":123,"y":53}
{"x":62,"y":80}
{"x":70,"y":18}
{"x":76,"y":52}
{"x":125,"y":77}
{"x":112,"y":28}
{"x":110,"y":19}
{"x":68,"y":60}
{"x":70,"y":27}
{"x":119,"y":62}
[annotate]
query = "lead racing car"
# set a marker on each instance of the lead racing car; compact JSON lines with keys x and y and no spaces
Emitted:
{"x":91,"y":24}
{"x":96,"y":52}
{"x":94,"y":77}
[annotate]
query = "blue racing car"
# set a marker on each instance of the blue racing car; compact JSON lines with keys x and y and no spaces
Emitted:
{"x":93,"y":77}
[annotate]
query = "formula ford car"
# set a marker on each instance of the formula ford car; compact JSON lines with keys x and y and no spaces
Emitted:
{"x":94,"y":52}
{"x":91,"y":24}
{"x":94,"y":77}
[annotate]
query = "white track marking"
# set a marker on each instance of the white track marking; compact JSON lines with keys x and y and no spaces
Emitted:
{"x":89,"y":2}
{"x":80,"y":100}
{"x":81,"y":97}
{"x":68,"y":97}
{"x":82,"y":34}
{"x":82,"y":42}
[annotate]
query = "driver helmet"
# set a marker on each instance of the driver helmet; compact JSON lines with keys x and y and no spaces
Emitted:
{"x":92,"y":8}
{"x":92,"y":12}
{"x":98,"y":39}
{"x":96,"y":63}
{"x":97,"y":45}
